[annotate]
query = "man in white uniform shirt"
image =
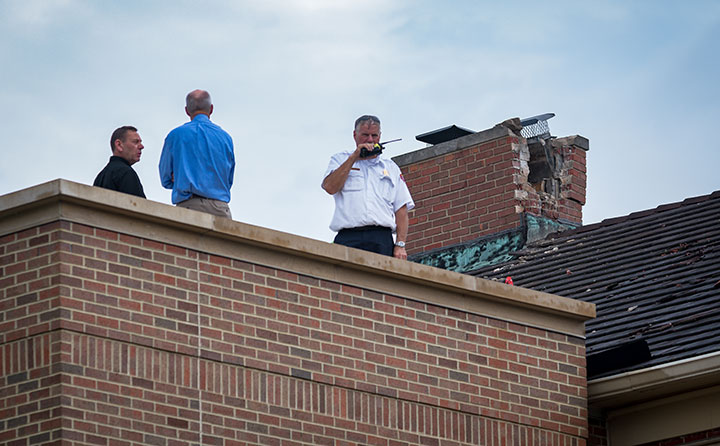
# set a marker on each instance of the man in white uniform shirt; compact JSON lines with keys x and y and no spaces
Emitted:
{"x":371,"y":198}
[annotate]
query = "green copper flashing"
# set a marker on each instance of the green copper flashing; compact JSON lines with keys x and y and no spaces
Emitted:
{"x":490,"y":250}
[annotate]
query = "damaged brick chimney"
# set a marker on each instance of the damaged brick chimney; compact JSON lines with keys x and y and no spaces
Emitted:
{"x":499,"y":181}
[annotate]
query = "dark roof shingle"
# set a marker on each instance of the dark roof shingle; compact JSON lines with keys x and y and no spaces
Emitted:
{"x":653,"y":275}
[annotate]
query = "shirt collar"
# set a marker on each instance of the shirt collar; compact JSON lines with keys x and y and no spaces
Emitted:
{"x":201,"y":117}
{"x":118,"y":158}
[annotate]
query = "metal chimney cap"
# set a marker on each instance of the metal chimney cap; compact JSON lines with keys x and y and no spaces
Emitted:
{"x":444,"y":134}
{"x":536,"y":126}
{"x":534,"y":119}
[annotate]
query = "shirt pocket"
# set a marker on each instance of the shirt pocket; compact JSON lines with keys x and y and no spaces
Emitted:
{"x":354,"y":182}
{"x":387,"y":189}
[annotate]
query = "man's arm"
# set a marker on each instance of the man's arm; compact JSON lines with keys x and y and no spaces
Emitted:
{"x":402,"y":223}
{"x":130,"y":183}
{"x":165,"y":167}
{"x":231,"y":174}
{"x":335,"y":181}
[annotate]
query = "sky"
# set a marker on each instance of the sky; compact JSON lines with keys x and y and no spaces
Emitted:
{"x":639,"y":79}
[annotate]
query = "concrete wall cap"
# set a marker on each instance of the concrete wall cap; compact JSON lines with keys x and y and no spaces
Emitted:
{"x":65,"y":200}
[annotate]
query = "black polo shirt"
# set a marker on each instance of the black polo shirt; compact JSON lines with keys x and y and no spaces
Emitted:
{"x":119,"y":175}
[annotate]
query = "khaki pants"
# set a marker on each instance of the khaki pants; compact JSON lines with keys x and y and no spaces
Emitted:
{"x":215,"y":207}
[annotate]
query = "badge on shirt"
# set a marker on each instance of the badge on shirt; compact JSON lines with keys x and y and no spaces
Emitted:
{"x":385,"y":173}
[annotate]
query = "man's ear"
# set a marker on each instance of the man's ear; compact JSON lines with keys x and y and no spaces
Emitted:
{"x":187,"y":112}
{"x":117,"y":146}
{"x":212,"y":107}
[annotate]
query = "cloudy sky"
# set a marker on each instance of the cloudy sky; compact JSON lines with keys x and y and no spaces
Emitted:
{"x":640,"y":79}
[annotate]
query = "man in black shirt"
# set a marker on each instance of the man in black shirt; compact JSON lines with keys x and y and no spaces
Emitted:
{"x":126,"y":146}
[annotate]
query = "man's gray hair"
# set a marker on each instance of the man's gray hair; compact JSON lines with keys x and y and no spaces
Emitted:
{"x":198,"y":100}
{"x":366,"y":118}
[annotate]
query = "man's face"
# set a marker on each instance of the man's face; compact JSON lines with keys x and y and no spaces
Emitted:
{"x":130,"y":147}
{"x":367,"y":132}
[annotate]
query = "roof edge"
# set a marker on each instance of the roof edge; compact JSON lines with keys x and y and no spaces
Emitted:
{"x":655,"y":382}
{"x":638,"y":214}
{"x":66,"y":200}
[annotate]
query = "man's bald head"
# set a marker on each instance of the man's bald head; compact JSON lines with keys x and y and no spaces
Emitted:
{"x":198,"y":101}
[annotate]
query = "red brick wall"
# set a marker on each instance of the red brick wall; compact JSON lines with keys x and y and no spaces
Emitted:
{"x":462,"y":195}
{"x":111,"y":339}
{"x":483,"y":189}
{"x":574,"y":184}
{"x":597,"y":431}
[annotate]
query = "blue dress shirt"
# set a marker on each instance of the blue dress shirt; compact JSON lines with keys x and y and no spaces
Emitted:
{"x":201,"y":158}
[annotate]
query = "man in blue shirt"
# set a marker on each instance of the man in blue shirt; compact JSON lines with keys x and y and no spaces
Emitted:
{"x":198,"y":160}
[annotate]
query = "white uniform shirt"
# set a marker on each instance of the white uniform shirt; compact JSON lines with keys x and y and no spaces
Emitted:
{"x":373,"y":192}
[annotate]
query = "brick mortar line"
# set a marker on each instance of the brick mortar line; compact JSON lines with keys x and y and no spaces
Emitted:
{"x":201,"y":422}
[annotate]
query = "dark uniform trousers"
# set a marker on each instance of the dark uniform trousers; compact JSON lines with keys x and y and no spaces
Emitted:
{"x":376,"y":239}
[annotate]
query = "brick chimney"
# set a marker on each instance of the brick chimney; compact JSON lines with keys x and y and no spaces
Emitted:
{"x":493,"y":181}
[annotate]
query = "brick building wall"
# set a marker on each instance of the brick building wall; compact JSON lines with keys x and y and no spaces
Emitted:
{"x":110,"y":337}
{"x":597,"y":430}
{"x":481,"y":184}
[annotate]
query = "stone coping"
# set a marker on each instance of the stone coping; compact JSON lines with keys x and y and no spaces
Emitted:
{"x":66,"y":200}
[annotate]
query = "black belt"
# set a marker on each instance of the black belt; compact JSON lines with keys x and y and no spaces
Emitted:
{"x":368,"y":228}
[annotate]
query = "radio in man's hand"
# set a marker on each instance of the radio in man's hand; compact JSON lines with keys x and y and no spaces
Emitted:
{"x":377,"y":149}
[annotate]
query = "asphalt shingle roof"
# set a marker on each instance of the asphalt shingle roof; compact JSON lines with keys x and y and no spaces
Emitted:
{"x":653,"y":275}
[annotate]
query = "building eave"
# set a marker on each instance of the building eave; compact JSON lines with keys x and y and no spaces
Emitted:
{"x":655,"y":382}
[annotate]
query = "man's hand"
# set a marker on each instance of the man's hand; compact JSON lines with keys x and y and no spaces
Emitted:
{"x":368,"y":146}
{"x":356,"y":154}
{"x":399,"y":253}
{"x":402,"y":220}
